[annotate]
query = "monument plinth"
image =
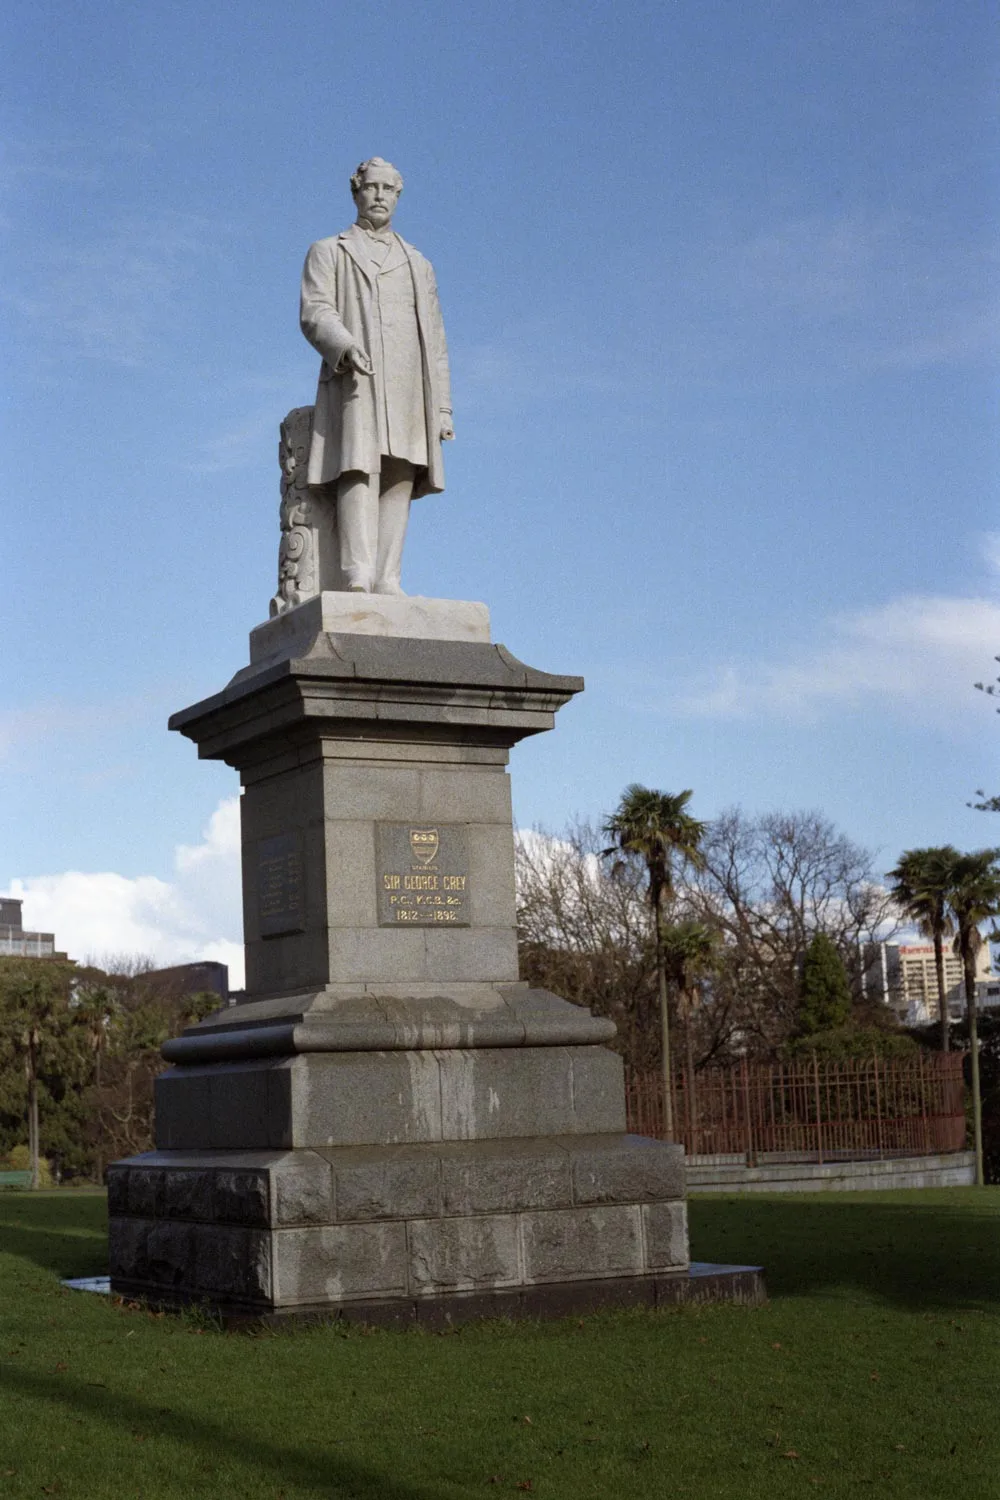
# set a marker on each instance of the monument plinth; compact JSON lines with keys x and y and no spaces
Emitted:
{"x":391,"y":1121}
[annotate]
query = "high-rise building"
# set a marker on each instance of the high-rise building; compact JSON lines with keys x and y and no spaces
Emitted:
{"x":904,"y":976}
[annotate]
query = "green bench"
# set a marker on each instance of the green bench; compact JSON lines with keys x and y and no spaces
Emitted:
{"x":15,"y":1179}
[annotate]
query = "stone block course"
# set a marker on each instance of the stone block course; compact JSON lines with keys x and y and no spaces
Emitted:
{"x":506,"y":1091}
{"x":573,"y":1243}
{"x":145,"y":1192}
{"x":377,"y":1184}
{"x":665,"y":1234}
{"x":490,"y":1177}
{"x":628,"y":1169}
{"x":339,"y":1262}
{"x":169,"y":1253}
{"x":118,"y":1180}
{"x":189,"y":1194}
{"x":598,"y":1091}
{"x":302,"y":1190}
{"x":233,"y":1263}
{"x":241,"y":1197}
{"x":462,"y":794}
{"x":462,"y":1254}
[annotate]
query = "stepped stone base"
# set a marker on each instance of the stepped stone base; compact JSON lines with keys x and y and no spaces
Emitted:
{"x":391,"y":1123}
{"x":271,"y":1231}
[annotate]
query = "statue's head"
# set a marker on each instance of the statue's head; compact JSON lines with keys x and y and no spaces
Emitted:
{"x":375,"y":188}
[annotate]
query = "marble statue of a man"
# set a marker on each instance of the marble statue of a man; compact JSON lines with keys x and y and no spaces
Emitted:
{"x":383,"y":407}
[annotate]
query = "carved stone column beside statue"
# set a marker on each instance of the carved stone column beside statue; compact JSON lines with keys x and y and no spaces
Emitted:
{"x":391,"y":1123}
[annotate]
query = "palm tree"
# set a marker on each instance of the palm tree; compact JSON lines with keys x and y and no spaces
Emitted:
{"x":690,"y":951}
{"x":974,"y":896}
{"x":922,"y":881}
{"x":656,"y":828}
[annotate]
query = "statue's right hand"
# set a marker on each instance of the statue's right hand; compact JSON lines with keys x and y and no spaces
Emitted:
{"x":356,"y":359}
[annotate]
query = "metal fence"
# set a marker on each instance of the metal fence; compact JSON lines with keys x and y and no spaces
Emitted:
{"x":810,"y":1108}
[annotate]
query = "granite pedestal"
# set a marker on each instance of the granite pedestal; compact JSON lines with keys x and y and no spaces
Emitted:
{"x":390,"y":1116}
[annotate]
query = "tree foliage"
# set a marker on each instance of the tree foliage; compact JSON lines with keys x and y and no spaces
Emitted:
{"x":825,"y":994}
{"x":96,"y":1040}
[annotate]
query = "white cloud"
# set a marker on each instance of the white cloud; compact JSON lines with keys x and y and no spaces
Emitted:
{"x":195,"y":915}
{"x":918,"y":652}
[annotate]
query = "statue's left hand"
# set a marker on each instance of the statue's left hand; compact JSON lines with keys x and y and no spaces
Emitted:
{"x":447,"y":430}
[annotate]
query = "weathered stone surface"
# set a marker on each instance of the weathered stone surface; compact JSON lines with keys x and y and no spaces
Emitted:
{"x":302,"y":1190}
{"x":338,"y":1262}
{"x":598,"y":1091}
{"x":628,"y":1169}
{"x":482,"y":1177}
{"x":500,"y":1092}
{"x":379,"y":1185}
{"x":118,"y":1176}
{"x":293,"y":632}
{"x":665,"y":1234}
{"x":242,"y":1197}
{"x":412,"y":1018}
{"x":127,"y":1239}
{"x":169,"y":1253}
{"x":232,"y":1263}
{"x":366,"y":1098}
{"x":145,"y":1192}
{"x":463,"y":1253}
{"x":581,"y":1242}
{"x":400,"y":1220}
{"x":189,"y":1194}
{"x":320,"y":1099}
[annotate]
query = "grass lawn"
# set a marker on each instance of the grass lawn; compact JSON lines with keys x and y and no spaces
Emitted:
{"x":874,"y":1370}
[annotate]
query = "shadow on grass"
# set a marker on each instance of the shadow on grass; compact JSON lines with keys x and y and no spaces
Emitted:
{"x":916,"y":1251}
{"x":64,"y":1233}
{"x":123,"y":1414}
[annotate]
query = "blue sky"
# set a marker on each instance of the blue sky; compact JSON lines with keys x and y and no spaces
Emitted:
{"x":720,"y":286}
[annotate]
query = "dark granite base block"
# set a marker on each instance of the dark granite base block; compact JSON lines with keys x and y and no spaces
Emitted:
{"x":704,"y":1283}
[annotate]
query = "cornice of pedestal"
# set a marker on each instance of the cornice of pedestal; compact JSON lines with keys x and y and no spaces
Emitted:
{"x":361,"y":687}
{"x":321,"y":1021}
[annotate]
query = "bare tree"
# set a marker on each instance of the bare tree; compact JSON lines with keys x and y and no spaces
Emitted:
{"x":586,"y":935}
{"x":771,"y":883}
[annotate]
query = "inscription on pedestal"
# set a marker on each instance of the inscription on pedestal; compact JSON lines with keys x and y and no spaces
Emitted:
{"x":281,"y":905}
{"x":422,"y":875}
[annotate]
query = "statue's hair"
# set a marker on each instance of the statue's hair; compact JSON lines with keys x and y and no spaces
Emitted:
{"x":358,"y":177}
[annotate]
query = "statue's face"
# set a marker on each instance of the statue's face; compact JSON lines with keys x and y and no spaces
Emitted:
{"x":377,"y":196}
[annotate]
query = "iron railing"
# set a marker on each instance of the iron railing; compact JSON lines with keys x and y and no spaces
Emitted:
{"x":810,"y":1108}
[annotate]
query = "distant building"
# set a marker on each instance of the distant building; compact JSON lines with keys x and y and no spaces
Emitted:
{"x":904,"y":976}
{"x":15,"y":942}
{"x":205,"y":977}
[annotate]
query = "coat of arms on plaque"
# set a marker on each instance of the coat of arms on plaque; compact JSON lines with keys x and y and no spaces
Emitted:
{"x":424,"y":844}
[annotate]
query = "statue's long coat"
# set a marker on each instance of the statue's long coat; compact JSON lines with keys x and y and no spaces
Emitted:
{"x":336,"y":311}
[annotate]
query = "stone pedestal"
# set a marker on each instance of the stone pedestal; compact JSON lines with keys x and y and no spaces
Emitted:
{"x":390,"y":1119}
